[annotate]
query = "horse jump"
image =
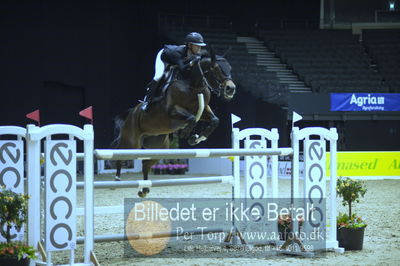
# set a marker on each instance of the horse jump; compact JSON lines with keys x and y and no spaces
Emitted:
{"x":56,"y":150}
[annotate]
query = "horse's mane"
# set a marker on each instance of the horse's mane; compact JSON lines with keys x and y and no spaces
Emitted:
{"x":224,"y":65}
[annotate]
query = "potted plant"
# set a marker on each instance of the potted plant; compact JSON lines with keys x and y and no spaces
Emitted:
{"x":156,"y":169}
{"x":170,"y":167}
{"x":350,"y":227}
{"x":14,"y":213}
{"x":176,"y":167}
{"x":284,"y":225}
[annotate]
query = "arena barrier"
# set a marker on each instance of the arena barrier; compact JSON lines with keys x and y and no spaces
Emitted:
{"x":60,"y":177}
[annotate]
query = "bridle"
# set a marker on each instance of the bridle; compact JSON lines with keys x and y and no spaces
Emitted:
{"x":221,"y":84}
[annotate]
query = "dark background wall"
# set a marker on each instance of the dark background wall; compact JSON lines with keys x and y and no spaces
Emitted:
{"x":62,"y":56}
{"x":359,"y":10}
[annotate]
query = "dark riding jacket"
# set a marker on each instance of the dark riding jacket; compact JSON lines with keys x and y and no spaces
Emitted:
{"x":177,"y":56}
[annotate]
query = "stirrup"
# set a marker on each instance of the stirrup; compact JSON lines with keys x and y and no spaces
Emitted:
{"x":144,"y":102}
{"x":144,"y":105}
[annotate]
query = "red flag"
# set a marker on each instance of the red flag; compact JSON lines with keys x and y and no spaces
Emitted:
{"x":87,"y":113}
{"x":35,"y":115}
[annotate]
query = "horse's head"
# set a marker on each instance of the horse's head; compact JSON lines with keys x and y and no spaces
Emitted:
{"x":217,"y":75}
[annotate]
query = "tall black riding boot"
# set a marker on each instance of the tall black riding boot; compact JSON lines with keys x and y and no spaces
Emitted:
{"x":150,"y":93}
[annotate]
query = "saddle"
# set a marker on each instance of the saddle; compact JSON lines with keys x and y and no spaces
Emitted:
{"x":170,"y":75}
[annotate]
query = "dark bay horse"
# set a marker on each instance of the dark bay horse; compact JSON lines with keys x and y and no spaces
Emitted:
{"x":185,"y":103}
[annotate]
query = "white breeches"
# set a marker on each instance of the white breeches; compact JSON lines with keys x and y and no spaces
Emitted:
{"x":159,"y":66}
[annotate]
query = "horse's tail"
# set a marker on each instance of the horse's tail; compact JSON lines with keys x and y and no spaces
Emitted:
{"x":119,"y":121}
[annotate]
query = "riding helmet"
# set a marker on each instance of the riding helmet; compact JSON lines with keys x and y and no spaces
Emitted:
{"x":195,"y":38}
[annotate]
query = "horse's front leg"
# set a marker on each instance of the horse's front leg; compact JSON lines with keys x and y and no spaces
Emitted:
{"x":208,"y":116}
{"x":181,"y":114}
{"x":146,"y":166}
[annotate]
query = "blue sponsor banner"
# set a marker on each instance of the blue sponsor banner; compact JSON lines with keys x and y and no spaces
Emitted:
{"x":365,"y":102}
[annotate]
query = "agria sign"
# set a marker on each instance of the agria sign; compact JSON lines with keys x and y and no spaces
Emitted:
{"x":365,"y":102}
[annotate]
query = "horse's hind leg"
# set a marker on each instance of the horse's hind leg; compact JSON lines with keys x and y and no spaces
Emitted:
{"x":118,"y":165}
{"x":161,"y":142}
{"x":127,"y":142}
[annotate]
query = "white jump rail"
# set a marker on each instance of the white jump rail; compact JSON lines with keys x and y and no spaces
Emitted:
{"x":130,"y":154}
{"x":121,"y":237}
{"x":162,"y":182}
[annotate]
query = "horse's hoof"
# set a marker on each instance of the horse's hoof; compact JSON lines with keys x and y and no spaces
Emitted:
{"x":196,"y":139}
{"x":192,"y":140}
{"x":146,"y":190}
{"x":141,"y":194}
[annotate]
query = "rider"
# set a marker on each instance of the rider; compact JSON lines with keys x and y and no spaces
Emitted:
{"x":183,"y":56}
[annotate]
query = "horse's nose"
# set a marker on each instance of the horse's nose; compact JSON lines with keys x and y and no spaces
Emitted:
{"x":230,"y":86}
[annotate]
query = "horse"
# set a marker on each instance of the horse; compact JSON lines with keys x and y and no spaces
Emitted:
{"x":186,"y":101}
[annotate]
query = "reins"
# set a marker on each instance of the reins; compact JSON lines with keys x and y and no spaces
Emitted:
{"x":216,"y":91}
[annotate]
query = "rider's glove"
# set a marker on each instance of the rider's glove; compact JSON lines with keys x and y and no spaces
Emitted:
{"x":194,"y":60}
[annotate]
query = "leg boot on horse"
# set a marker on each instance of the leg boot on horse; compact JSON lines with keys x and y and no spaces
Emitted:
{"x":146,"y":166}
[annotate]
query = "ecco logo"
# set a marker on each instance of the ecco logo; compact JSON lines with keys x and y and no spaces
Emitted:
{"x":315,"y":181}
{"x":61,"y":194}
{"x":11,"y":174}
{"x":255,"y":185}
